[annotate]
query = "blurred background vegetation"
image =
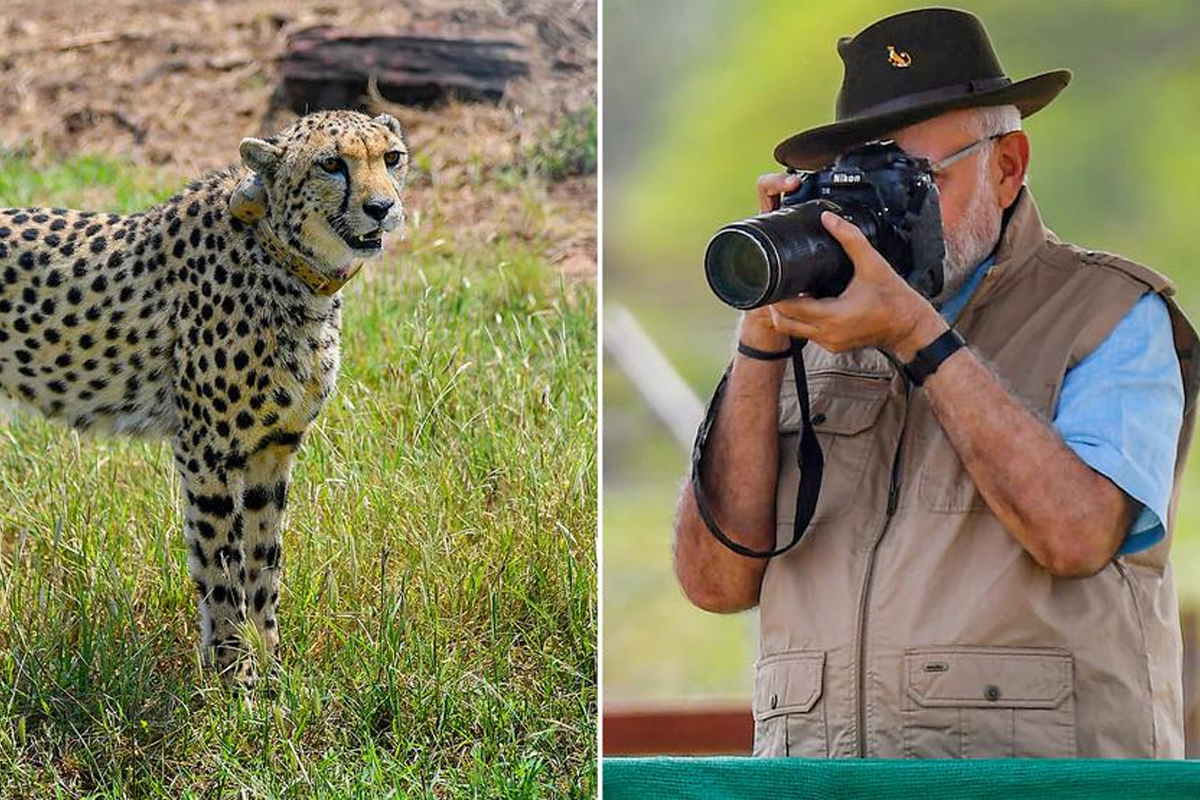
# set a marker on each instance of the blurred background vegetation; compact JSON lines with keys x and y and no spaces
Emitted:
{"x":696,"y":95}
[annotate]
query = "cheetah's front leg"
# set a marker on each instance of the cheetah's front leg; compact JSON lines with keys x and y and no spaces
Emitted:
{"x":213,"y":528}
{"x":267,"y":477}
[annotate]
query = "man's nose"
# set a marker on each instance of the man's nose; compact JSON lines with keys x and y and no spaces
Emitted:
{"x":377,"y":209}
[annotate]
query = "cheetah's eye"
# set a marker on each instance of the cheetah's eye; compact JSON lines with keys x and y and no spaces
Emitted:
{"x":333,"y":165}
{"x":392,"y":157}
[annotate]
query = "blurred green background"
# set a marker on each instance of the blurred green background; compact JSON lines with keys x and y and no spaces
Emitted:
{"x":696,"y":95}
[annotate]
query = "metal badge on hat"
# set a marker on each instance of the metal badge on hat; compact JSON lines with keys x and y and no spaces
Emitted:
{"x":898,"y":58}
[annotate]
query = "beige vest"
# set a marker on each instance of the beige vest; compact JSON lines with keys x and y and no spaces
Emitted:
{"x":908,"y":622}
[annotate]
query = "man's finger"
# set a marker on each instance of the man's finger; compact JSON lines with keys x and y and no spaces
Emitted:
{"x":797,"y":329}
{"x":808,"y":309}
{"x":773,"y":184}
{"x":849,"y":237}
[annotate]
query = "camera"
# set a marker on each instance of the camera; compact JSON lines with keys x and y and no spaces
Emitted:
{"x":889,"y":194}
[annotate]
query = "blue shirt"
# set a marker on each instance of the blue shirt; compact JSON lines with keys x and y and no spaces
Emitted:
{"x":1121,"y":408}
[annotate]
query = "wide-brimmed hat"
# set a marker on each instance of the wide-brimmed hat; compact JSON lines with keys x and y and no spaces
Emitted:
{"x":908,"y":68}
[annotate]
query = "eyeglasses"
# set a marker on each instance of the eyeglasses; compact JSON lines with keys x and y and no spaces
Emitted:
{"x":958,"y":155}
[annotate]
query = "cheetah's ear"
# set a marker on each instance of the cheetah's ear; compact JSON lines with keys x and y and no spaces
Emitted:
{"x":260,"y":155}
{"x":389,"y":122}
{"x":248,"y":201}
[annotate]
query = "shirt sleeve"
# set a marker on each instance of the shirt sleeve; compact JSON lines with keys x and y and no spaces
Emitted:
{"x":1120,"y":411}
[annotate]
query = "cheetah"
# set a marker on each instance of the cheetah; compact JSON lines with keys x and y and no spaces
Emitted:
{"x":213,"y":320}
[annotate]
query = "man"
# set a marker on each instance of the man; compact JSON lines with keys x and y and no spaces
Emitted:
{"x":986,"y":571}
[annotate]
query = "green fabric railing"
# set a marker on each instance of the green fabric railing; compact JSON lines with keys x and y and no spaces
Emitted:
{"x":766,"y":778}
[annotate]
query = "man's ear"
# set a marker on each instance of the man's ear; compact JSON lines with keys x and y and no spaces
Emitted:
{"x":389,"y":122}
{"x":260,"y":155}
{"x":1012,"y":159}
{"x":248,"y":201}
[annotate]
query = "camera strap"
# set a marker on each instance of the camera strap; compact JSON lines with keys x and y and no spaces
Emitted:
{"x":808,"y":456}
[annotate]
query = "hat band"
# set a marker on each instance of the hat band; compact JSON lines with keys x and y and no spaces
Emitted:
{"x":952,"y":92}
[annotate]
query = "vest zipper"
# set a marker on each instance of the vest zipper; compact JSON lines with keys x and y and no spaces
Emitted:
{"x":865,"y":596}
{"x":894,"y":486}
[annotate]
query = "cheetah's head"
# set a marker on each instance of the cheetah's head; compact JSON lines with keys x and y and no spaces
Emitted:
{"x":332,"y":182}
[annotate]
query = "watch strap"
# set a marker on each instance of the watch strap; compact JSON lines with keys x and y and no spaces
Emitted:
{"x":930,"y":357}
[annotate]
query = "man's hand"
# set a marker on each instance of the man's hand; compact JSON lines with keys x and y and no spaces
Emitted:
{"x":877,"y":309}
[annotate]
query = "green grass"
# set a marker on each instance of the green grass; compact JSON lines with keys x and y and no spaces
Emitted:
{"x":80,"y":182}
{"x":438,"y":607}
{"x":569,"y":149}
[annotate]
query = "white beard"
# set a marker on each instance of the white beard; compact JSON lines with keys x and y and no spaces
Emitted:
{"x":974,"y":238}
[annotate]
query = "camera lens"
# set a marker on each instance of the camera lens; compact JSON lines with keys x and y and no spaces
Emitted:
{"x":738,"y":268}
{"x":780,"y":254}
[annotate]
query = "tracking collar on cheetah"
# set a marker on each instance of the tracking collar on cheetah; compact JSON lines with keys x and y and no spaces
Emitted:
{"x":248,"y":202}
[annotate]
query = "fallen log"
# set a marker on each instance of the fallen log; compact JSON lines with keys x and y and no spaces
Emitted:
{"x":326,"y":68}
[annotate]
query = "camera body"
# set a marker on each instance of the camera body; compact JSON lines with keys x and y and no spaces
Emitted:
{"x":889,"y":194}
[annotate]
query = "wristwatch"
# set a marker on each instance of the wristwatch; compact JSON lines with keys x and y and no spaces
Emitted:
{"x":930,"y":357}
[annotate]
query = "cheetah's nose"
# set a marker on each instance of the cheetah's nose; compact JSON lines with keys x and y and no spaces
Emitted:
{"x":377,"y":209}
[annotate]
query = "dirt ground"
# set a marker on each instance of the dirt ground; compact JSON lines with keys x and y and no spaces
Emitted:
{"x":175,"y":86}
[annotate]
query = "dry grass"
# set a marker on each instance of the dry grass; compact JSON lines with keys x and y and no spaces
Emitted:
{"x":173,"y":88}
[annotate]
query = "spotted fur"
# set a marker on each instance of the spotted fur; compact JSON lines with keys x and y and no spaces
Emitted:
{"x":178,"y":323}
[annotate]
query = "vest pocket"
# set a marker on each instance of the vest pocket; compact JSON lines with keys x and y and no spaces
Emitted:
{"x":789,"y":717}
{"x":844,"y":409}
{"x":988,"y":702}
